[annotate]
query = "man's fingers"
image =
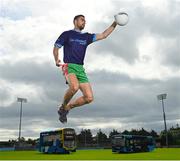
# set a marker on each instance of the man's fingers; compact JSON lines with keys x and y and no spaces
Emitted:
{"x":58,"y":63}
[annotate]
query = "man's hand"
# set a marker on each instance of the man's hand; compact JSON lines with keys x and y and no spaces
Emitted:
{"x":58,"y":63}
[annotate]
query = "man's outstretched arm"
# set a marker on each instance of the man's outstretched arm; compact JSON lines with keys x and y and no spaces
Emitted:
{"x":107,"y":32}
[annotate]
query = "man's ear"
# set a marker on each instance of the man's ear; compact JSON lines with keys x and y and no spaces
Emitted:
{"x":75,"y":21}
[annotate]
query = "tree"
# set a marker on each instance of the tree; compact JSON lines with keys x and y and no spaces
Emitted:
{"x":22,"y":140}
{"x":154,"y":134}
{"x":114,"y":132}
{"x":175,"y":134}
{"x":31,"y":141}
{"x":134,"y":132}
{"x":125,"y":132}
{"x":85,"y":137}
{"x":143,"y":132}
{"x":101,"y":138}
{"x":163,"y":138}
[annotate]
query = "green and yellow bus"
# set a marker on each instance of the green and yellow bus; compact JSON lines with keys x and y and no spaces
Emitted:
{"x":58,"y":141}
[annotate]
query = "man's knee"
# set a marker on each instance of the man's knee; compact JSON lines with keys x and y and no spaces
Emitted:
{"x":74,"y":88}
{"x":89,"y":99}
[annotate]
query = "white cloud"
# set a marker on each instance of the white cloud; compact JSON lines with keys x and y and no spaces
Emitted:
{"x":11,"y":134}
{"x":160,"y":5}
{"x":147,"y":67}
{"x":9,"y":91}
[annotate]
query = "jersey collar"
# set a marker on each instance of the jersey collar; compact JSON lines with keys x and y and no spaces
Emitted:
{"x":77,"y":30}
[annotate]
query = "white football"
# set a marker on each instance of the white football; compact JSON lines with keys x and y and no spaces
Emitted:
{"x":121,"y":18}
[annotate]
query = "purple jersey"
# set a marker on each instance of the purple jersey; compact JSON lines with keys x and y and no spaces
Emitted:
{"x":75,"y":44}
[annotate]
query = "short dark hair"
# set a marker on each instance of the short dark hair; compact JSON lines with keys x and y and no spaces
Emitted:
{"x":77,"y":16}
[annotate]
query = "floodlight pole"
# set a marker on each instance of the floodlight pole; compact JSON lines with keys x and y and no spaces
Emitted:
{"x":21,"y":100}
{"x":20,"y":121}
{"x":162,"y":97}
{"x":165,"y":126}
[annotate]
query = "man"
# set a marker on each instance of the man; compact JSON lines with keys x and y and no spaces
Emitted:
{"x":75,"y":43}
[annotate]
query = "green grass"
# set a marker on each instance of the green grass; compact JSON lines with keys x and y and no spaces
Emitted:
{"x":157,"y":154}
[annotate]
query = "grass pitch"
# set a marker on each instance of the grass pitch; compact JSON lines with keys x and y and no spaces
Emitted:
{"x":157,"y":154}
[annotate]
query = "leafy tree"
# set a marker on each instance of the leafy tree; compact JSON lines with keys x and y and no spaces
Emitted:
{"x":85,"y":137}
{"x":101,"y":137}
{"x":125,"y":132}
{"x":144,"y":132}
{"x":114,"y":132}
{"x":154,"y":134}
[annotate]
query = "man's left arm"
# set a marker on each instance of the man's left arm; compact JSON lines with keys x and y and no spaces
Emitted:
{"x":107,"y":32}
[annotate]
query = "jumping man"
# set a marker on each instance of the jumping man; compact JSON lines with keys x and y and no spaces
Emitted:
{"x":75,"y":43}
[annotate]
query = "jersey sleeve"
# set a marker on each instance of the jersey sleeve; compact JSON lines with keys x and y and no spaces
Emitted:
{"x":91,"y":38}
{"x":61,"y":40}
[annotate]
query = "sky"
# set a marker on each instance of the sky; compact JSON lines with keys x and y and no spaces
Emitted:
{"x":127,"y":70}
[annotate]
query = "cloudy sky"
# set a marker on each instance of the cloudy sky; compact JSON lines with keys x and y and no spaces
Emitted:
{"x":127,"y":70}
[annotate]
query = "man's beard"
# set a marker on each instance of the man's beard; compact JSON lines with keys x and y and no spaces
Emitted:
{"x":81,"y":27}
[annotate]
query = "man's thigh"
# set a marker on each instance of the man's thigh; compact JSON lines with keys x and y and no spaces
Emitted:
{"x":72,"y":80}
{"x":86,"y":89}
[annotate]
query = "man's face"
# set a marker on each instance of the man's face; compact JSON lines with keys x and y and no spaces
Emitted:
{"x":80,"y":22}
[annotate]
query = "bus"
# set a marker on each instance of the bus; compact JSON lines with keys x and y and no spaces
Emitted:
{"x":132,"y":143}
{"x":58,"y":141}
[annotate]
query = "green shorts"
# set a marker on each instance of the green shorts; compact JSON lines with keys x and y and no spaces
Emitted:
{"x":78,"y":70}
